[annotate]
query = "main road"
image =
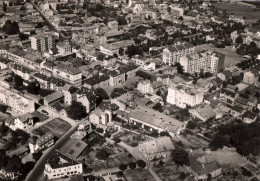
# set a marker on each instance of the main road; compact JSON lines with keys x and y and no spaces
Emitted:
{"x":48,"y":21}
{"x":37,"y":171}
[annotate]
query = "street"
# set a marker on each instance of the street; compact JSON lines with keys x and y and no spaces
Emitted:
{"x":37,"y":171}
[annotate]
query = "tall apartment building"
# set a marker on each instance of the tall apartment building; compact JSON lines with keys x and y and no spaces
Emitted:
{"x":206,"y":60}
{"x":43,"y":42}
{"x":183,"y":95}
{"x":173,"y":53}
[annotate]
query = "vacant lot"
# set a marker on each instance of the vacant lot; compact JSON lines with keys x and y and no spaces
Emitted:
{"x":138,"y":175}
{"x":249,"y":13}
{"x":231,"y":57}
{"x":57,"y":127}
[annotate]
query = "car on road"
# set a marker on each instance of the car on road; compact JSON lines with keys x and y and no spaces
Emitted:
{"x":44,"y":112}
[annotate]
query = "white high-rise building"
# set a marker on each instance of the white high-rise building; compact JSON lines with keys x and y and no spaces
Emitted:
{"x":183,"y":95}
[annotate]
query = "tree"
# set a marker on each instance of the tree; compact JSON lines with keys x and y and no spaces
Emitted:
{"x":4,"y":7}
{"x":239,"y":40}
{"x":134,"y":50}
{"x":117,"y":140}
{"x":10,"y":27}
{"x":100,"y":130}
{"x":180,"y":69}
{"x":33,"y":88}
{"x":192,"y":125}
{"x":122,"y":167}
{"x":76,"y":111}
{"x":3,"y":108}
{"x":18,"y":81}
{"x":3,"y":159}
{"x":158,"y":107}
{"x":180,"y":157}
{"x":202,"y":74}
{"x":121,"y":20}
{"x":132,"y":165}
{"x":121,"y":51}
{"x":3,"y":128}
{"x":141,"y":163}
{"x":117,"y":92}
{"x":102,"y":154}
{"x":164,"y":133}
{"x":14,"y":164}
{"x":37,"y":155}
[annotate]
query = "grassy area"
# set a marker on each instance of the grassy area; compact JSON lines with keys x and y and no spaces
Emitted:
{"x":231,"y":56}
{"x":57,"y":127}
{"x":138,"y":175}
{"x":237,"y":10}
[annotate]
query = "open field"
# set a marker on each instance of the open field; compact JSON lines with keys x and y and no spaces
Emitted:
{"x":231,"y":57}
{"x":57,"y":127}
{"x":237,"y":10}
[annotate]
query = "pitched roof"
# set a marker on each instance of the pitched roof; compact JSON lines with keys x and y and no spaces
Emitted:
{"x":23,"y":118}
{"x":228,"y":93}
{"x":202,"y":82}
{"x":250,"y":115}
{"x":158,"y":145}
{"x":203,"y":168}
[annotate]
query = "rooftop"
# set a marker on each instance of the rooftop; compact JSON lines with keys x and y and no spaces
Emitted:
{"x":73,"y":148}
{"x":59,"y":160}
{"x":158,"y":145}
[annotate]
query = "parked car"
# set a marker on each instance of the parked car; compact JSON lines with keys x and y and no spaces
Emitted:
{"x":44,"y":112}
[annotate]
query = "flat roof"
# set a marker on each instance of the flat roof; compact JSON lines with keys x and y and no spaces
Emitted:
{"x":73,"y":148}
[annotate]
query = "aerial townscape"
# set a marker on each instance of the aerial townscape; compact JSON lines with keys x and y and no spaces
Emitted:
{"x":129,"y":90}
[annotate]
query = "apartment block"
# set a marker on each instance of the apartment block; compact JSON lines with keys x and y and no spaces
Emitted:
{"x":205,"y":60}
{"x":43,"y":42}
{"x":60,"y":165}
{"x":173,"y":53}
{"x":183,"y":95}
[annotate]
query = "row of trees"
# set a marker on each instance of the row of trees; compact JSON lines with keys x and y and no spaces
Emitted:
{"x":132,"y":165}
{"x":244,"y":137}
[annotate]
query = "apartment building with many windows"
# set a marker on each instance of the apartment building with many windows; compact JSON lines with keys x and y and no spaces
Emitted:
{"x":205,"y":60}
{"x":173,"y":53}
{"x":183,"y":95}
{"x":43,"y":42}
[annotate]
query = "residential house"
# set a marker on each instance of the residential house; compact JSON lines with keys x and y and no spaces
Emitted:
{"x":38,"y":144}
{"x":87,"y":98}
{"x":68,"y":73}
{"x":64,"y":47}
{"x":51,"y":99}
{"x":113,"y":25}
{"x":202,"y":167}
{"x":70,"y":93}
{"x":23,"y":122}
{"x":145,"y":87}
{"x":157,"y":149}
{"x":237,"y":111}
{"x":250,"y":77}
{"x":204,"y":84}
{"x":249,"y":117}
{"x":60,"y":165}
{"x":100,"y":117}
{"x":228,"y":96}
{"x":203,"y":112}
{"x":225,"y":75}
